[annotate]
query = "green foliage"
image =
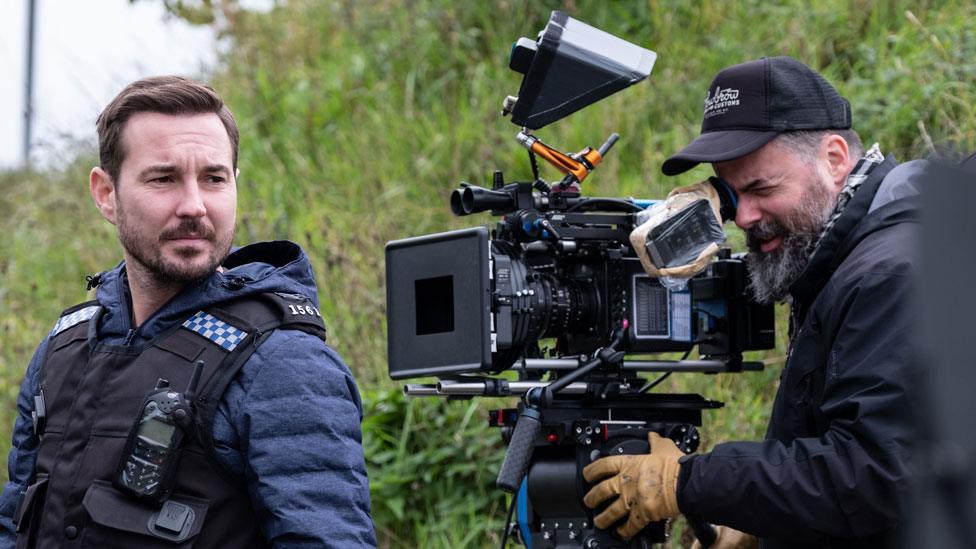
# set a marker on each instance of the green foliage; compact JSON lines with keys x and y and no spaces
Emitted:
{"x":358,"y":119}
{"x":431,"y":459}
{"x":52,"y":239}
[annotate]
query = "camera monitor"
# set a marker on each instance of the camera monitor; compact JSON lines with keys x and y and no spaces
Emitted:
{"x":438,"y":318}
{"x":571,"y":66}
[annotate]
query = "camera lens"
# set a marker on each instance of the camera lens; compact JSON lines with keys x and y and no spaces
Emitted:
{"x":476,"y":199}
{"x":457,"y":207}
{"x":568,"y":306}
{"x":536,"y":303}
{"x":467,"y":200}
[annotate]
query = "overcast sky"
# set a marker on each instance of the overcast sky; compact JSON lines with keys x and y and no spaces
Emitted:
{"x":85,"y":53}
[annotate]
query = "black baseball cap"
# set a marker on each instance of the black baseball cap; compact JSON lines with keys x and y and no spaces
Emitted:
{"x":749,"y":104}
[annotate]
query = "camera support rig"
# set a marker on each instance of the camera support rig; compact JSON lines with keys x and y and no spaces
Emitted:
{"x":559,"y":262}
{"x":593,"y":404}
{"x":463,"y":306}
{"x":581,"y":414}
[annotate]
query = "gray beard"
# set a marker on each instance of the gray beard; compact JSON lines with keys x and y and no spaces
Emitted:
{"x":772,"y":273}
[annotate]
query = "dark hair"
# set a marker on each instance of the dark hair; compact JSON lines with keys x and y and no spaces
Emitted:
{"x":806,"y":143}
{"x":173,"y":95}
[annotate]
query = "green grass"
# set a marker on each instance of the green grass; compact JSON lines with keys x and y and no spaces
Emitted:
{"x":359,"y":118}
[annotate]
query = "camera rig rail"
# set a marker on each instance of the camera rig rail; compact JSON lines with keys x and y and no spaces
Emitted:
{"x":481,"y":386}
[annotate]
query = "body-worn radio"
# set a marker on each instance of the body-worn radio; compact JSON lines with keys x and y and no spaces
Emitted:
{"x":148,"y":463}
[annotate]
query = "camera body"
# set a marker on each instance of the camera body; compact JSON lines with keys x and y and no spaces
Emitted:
{"x":560,"y":266}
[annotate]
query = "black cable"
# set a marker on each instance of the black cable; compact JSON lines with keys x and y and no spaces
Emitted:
{"x":652,"y":384}
{"x":508,"y":520}
{"x":581,"y":371}
{"x":535,"y":165}
{"x":601,"y":202}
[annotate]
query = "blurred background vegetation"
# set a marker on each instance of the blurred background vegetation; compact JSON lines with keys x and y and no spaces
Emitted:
{"x":359,"y":117}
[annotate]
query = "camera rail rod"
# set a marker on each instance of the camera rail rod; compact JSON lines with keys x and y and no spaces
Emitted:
{"x":486,"y":387}
{"x":691,"y":366}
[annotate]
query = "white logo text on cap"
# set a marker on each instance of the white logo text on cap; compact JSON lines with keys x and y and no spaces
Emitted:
{"x":721,"y":101}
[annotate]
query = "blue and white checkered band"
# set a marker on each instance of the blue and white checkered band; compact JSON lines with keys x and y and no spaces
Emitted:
{"x":215,"y":330}
{"x":73,"y":319}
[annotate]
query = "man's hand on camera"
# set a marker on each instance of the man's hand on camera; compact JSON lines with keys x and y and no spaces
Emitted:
{"x":645,"y":486}
{"x":729,"y":538}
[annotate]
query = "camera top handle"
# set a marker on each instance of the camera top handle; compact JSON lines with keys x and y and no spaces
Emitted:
{"x":575,"y":167}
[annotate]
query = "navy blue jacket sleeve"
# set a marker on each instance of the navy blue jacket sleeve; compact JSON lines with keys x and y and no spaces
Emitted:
{"x":23,"y":450}
{"x":295,"y":413}
{"x":850,"y":482}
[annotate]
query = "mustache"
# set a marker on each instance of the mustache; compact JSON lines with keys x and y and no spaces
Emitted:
{"x":762,"y":232}
{"x":189,"y":228}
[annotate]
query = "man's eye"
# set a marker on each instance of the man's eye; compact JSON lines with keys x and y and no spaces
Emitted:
{"x":215,"y":179}
{"x":162,"y":179}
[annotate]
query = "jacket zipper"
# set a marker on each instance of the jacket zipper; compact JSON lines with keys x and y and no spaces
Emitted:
{"x":794,"y":332}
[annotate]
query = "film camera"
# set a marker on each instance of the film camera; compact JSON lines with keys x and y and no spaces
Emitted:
{"x":556,"y":293}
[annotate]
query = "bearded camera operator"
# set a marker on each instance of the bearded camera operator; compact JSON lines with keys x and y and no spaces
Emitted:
{"x":831,"y":229}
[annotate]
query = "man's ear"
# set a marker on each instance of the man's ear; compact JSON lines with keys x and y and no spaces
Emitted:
{"x":838,"y":159}
{"x":103,"y":193}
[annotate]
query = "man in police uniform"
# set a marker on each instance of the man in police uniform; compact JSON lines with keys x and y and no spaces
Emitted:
{"x":273,"y":455}
{"x":831,"y":228}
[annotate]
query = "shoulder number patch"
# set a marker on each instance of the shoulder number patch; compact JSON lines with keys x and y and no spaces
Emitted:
{"x":305,"y":310}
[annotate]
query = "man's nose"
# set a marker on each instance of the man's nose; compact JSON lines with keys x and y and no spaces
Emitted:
{"x":747,"y":214}
{"x":191,"y":201}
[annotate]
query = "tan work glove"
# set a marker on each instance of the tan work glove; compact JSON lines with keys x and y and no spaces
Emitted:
{"x":646,"y":486}
{"x":729,"y":538}
{"x":677,"y":200}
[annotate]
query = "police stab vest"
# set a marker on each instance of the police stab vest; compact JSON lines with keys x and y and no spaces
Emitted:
{"x":90,"y":396}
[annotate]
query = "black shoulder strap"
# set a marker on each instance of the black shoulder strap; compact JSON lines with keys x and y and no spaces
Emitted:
{"x":74,"y":315}
{"x":70,"y":318}
{"x":258,"y":315}
{"x":273,"y":310}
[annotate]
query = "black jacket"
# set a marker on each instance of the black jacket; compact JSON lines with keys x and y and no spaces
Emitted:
{"x":832,"y":470}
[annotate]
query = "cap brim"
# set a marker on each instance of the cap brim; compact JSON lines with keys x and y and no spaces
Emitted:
{"x":717,"y":146}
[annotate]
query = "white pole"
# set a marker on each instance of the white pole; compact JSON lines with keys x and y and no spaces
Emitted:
{"x":29,"y":83}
